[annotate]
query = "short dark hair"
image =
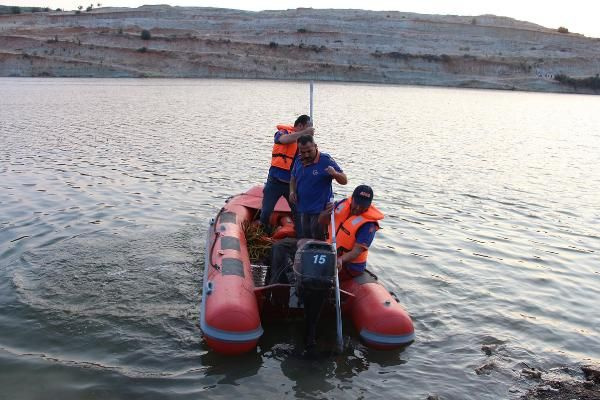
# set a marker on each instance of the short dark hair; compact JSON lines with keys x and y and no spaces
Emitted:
{"x":302,"y":120}
{"x":304,"y":139}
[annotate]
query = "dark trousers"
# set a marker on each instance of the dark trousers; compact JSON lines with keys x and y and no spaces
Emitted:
{"x":282,"y":261}
{"x":272,"y":191}
{"x":309,"y":227}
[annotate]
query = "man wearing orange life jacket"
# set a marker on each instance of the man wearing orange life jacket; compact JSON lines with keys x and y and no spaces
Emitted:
{"x":356,"y":221}
{"x":282,"y":159}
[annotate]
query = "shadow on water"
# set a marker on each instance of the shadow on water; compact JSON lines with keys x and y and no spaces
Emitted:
{"x":231,"y":369}
{"x":322,"y":372}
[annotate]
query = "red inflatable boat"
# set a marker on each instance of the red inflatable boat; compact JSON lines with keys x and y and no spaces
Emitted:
{"x":233,"y":299}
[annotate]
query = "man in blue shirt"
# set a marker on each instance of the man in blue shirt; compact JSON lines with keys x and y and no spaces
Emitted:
{"x":310,"y":186}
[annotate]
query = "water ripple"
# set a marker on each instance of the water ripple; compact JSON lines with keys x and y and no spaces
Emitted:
{"x":490,"y":238}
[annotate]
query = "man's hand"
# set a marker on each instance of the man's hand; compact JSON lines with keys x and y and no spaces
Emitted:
{"x":339,"y":177}
{"x":339,"y":263}
{"x":331,"y":171}
{"x":308,"y":131}
{"x":328,"y":208}
{"x":293,"y":197}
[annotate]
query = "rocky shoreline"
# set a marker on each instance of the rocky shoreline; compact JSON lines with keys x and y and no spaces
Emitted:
{"x":330,"y":45}
{"x":553,"y":388}
{"x":580,"y":382}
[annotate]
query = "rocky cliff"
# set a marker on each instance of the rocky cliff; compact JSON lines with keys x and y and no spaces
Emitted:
{"x":339,"y":45}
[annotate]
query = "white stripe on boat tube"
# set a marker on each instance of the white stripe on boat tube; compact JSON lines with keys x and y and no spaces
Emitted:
{"x":231,"y":336}
{"x":386,"y":339}
{"x":214,"y":333}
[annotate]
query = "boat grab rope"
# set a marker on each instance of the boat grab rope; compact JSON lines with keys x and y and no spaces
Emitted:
{"x":214,"y":241}
{"x":216,"y":234}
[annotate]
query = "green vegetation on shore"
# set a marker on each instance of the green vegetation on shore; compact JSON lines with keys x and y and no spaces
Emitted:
{"x":22,"y":10}
{"x":592,"y":82}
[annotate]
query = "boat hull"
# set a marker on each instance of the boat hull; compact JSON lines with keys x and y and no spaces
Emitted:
{"x":377,"y":315}
{"x":230,"y":317}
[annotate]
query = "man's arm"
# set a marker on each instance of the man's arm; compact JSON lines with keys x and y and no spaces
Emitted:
{"x":339,"y":176}
{"x":351,"y":255}
{"x":292,"y":137}
{"x":364,"y":238}
{"x":336,"y":172}
{"x":293,"y":194}
{"x":325,"y":215}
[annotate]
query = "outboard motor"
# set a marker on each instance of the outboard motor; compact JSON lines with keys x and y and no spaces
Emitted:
{"x":314,"y":269}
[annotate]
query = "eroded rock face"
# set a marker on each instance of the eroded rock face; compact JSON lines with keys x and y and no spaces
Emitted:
{"x":592,"y":372}
{"x":568,"y":388}
{"x":558,"y":390}
{"x":339,"y":45}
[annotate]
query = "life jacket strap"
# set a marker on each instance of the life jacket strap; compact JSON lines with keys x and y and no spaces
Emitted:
{"x":341,"y":251}
{"x":282,"y":155}
{"x":343,"y":229}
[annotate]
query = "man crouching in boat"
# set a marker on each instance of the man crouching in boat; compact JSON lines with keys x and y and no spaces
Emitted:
{"x":356,"y":221}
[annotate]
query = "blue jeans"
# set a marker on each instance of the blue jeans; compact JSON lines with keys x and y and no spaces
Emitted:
{"x":273,"y":190}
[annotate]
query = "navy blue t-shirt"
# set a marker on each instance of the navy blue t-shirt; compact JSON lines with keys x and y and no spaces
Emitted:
{"x":279,"y":173}
{"x":364,"y":236}
{"x":313,"y":183}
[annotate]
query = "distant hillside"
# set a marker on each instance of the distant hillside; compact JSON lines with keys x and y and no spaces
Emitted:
{"x":339,"y":45}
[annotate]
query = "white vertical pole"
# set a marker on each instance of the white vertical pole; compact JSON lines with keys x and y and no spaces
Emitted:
{"x":338,"y":308}
{"x":311,"y":102}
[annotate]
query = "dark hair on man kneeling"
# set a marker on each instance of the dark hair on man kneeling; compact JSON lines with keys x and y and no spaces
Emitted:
{"x":302,"y":120}
{"x":304,"y":139}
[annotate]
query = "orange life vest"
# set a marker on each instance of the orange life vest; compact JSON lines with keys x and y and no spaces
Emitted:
{"x":285,"y":227}
{"x":347,"y":225}
{"x":283,"y":154}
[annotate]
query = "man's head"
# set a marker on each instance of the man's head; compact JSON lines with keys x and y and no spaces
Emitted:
{"x":302,"y":122}
{"x":361,"y":199}
{"x":307,"y":149}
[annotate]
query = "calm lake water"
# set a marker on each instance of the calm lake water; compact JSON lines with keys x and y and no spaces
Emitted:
{"x":491,"y":236}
